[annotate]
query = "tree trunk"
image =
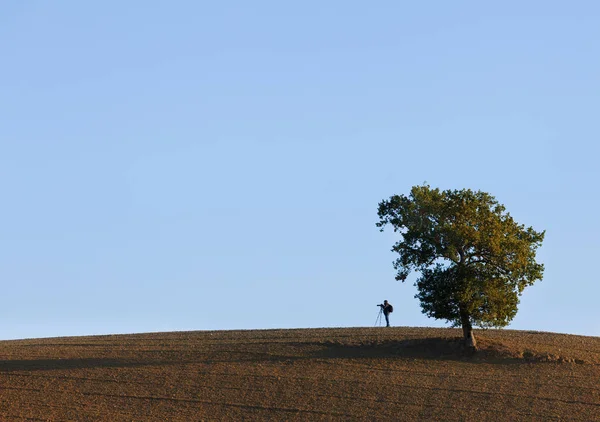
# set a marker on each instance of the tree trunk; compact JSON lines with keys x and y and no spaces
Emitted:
{"x":468,"y":335}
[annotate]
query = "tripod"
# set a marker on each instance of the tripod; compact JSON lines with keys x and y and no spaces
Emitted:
{"x":379,"y":321}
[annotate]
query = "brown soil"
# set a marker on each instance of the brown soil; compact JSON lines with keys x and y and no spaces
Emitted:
{"x":306,"y":374}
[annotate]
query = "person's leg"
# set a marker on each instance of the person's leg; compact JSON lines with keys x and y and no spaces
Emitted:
{"x":387,"y":320}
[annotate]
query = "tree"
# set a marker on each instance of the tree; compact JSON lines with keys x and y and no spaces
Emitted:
{"x":474,"y":259}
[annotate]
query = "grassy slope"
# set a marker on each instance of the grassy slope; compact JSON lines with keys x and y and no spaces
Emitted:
{"x":305,"y":374}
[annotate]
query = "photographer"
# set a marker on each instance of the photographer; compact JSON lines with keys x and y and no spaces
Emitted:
{"x":387,"y":309}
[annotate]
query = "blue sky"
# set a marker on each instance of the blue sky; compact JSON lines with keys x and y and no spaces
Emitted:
{"x":196,"y":165}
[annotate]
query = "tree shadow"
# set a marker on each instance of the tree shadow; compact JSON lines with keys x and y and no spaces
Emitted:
{"x":433,"y":348}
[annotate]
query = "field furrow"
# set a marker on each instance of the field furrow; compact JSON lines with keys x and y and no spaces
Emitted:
{"x":298,"y":375}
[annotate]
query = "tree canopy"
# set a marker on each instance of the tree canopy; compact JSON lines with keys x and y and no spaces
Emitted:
{"x":474,"y":260}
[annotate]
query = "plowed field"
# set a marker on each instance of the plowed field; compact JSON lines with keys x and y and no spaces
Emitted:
{"x":305,"y":374}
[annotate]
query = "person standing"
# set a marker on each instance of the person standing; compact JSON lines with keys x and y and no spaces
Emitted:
{"x":387,"y":309}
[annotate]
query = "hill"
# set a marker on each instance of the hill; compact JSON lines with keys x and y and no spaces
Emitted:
{"x":302,"y":374}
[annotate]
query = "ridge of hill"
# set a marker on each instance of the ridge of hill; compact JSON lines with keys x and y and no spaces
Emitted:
{"x":398,"y":373}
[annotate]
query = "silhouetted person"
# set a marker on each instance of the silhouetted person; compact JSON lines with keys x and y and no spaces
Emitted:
{"x":387,"y":310}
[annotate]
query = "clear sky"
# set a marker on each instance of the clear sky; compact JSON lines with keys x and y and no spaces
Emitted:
{"x":194,"y":165}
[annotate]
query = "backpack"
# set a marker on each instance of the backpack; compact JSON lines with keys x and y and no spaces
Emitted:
{"x":390,"y":308}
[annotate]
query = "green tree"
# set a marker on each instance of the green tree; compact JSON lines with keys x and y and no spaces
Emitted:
{"x":474,"y":259}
